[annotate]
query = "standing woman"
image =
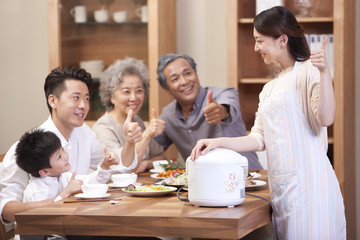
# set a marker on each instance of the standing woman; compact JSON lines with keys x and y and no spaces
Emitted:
{"x":123,"y":88}
{"x":294,"y":110}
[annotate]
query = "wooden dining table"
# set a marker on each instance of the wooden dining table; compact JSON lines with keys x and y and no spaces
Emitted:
{"x":162,"y":216}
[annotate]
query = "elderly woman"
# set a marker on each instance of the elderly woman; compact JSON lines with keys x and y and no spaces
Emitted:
{"x":123,"y":88}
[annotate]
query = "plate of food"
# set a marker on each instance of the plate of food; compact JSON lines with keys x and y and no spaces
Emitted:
{"x":155,"y":175}
{"x":114,"y":185}
{"x":149,"y":190}
{"x":255,"y":175}
{"x":168,"y":173}
{"x":253,"y":184}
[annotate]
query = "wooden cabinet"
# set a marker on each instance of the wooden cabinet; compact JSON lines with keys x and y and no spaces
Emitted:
{"x":72,"y":42}
{"x":248,"y":73}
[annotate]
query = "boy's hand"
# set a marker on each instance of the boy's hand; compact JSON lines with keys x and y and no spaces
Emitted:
{"x":73,"y":187}
{"x":132,"y":130}
{"x":109,"y":159}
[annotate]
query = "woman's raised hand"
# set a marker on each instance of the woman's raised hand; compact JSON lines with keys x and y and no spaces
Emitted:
{"x":156,"y":126}
{"x":132,"y":130}
{"x":318,"y":56}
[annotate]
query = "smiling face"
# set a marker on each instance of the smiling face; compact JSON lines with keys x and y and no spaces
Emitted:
{"x":130,"y":94}
{"x":268,"y":47}
{"x":71,"y":107}
{"x":182,"y":82}
{"x":59,"y":162}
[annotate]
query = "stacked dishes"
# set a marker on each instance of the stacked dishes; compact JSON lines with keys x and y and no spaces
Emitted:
{"x":94,"y":67}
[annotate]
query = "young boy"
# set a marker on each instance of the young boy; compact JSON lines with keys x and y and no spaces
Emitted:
{"x":40,"y":154}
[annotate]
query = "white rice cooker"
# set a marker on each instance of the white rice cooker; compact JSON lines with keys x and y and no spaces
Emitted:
{"x":217,"y":179}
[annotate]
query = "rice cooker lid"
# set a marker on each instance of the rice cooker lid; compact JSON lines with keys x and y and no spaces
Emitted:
{"x":220,"y":156}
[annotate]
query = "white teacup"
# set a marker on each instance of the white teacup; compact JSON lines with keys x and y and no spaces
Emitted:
{"x":120,"y":16}
{"x":79,"y":14}
{"x":142,"y":12}
{"x":124,"y":179}
{"x":158,"y":165}
{"x":101,"y":15}
{"x":94,"y":189}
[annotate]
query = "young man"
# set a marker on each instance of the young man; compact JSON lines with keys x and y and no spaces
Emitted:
{"x":67,"y":94}
{"x":197,"y":112}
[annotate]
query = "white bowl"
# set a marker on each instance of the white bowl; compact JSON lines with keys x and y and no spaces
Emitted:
{"x":124,"y":179}
{"x":157,"y":165}
{"x":120,"y":16}
{"x":94,"y":189}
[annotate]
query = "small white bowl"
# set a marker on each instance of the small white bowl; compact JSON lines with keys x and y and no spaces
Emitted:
{"x":124,"y":179}
{"x":157,"y":165}
{"x":94,"y":189}
{"x":120,"y":16}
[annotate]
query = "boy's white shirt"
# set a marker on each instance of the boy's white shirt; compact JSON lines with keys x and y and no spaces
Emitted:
{"x":85,"y":152}
{"x":41,"y":188}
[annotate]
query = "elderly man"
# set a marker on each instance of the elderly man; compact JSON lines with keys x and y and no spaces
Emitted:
{"x":197,"y":112}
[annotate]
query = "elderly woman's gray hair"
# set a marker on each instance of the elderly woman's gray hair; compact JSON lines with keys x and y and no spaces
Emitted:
{"x":165,"y":60}
{"x":113,"y":77}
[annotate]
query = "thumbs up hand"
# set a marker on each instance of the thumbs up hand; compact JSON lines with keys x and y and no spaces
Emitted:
{"x":74,"y":186}
{"x":318,"y":57}
{"x":214,"y":112}
{"x":109,"y":159}
{"x":155,"y":127}
{"x":131,"y":130}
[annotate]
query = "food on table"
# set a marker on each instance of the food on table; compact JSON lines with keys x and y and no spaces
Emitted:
{"x":169,"y":173}
{"x":172,"y":165}
{"x":179,"y":180}
{"x":147,"y":188}
{"x":249,"y":182}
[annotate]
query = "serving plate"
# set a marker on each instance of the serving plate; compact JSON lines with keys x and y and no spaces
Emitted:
{"x":255,"y":175}
{"x":114,"y":185}
{"x":258,"y":183}
{"x":87,"y":196}
{"x":155,"y":176}
{"x":151,"y":194}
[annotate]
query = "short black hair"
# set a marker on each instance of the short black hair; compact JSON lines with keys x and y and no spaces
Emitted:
{"x":34,"y":150}
{"x":55,"y":81}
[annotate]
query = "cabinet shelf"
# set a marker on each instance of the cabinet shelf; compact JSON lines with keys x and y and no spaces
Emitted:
{"x":301,"y":20}
{"x":254,"y":80}
{"x":104,"y":23}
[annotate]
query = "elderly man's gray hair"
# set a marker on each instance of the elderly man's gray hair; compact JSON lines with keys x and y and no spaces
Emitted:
{"x":165,"y":60}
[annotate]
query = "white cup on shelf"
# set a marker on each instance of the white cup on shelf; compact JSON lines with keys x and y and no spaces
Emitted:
{"x":120,"y":16}
{"x":101,"y":15}
{"x":79,"y":14}
{"x":142,"y":12}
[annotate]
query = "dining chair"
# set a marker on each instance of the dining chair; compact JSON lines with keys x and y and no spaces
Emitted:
{"x":5,"y":233}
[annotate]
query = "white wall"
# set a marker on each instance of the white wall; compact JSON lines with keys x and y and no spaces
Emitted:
{"x":23,"y":66}
{"x":201,"y":33}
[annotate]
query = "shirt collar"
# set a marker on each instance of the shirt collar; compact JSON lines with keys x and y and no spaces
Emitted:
{"x":49,"y":125}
